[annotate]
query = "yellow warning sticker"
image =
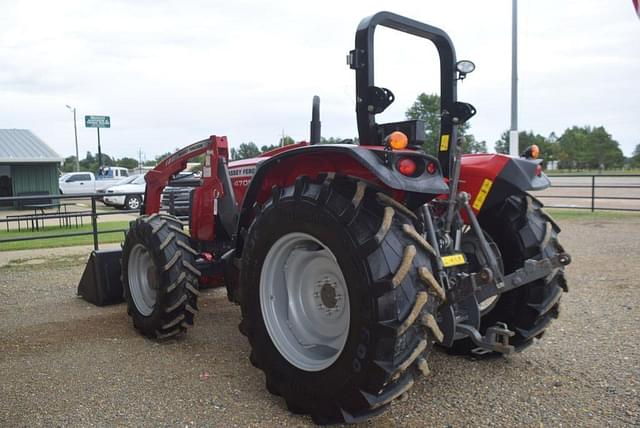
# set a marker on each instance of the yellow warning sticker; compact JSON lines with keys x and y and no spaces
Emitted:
{"x":444,"y":143}
{"x":482,"y":194}
{"x":453,"y":260}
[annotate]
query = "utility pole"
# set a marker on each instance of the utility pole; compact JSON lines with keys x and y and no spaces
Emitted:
{"x":513,"y":133}
{"x":99,"y":153}
{"x":140,"y":160}
{"x":75,"y":132}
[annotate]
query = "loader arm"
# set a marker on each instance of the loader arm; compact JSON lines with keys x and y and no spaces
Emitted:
{"x":215,"y":149}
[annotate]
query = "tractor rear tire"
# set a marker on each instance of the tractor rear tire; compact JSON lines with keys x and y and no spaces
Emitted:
{"x":159,"y":278}
{"x":520,"y":228}
{"x":335,"y":259}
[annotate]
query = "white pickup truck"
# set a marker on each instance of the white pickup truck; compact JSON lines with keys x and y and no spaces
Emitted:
{"x":73,"y":183}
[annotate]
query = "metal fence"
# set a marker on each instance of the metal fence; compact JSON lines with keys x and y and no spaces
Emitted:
{"x":35,"y":210}
{"x":589,"y":192}
{"x":593,"y":192}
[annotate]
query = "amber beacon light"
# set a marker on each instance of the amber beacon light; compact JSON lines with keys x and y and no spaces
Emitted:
{"x":397,"y":140}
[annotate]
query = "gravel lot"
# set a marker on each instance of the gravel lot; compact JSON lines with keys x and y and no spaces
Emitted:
{"x":66,"y":362}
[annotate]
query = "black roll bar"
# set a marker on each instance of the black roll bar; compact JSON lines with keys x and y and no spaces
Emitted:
{"x":361,"y":59}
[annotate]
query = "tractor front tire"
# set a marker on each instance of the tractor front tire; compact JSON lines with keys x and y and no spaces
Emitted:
{"x":522,"y":230}
{"x":335,"y":298}
{"x":158,"y":275}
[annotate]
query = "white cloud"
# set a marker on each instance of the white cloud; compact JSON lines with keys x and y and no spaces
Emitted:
{"x":170,"y":73}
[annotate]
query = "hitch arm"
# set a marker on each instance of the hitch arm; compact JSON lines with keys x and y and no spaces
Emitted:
{"x":531,"y":271}
{"x":496,"y":339}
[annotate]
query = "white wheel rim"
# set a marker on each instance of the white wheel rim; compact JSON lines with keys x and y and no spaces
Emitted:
{"x":143,"y":279}
{"x":304,"y":301}
{"x":133,"y":203}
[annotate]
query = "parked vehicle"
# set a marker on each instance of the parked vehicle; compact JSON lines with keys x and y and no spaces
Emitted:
{"x":108,"y":172}
{"x":176,"y":197}
{"x":125,"y":180}
{"x":73,"y":183}
{"x":86,"y":182}
{"x":133,"y":194}
{"x":349,"y":261}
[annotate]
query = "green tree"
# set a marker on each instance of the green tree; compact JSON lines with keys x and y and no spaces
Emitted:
{"x":245,"y":151}
{"x":90,"y":162}
{"x":589,"y":148}
{"x":604,"y":151}
{"x":635,"y":157}
{"x":286,"y":140}
{"x":427,"y":108}
{"x":156,"y":160}
{"x":283,"y":141}
{"x":69,"y":164}
{"x":471,"y":145}
{"x":548,"y":146}
{"x":128,"y":163}
{"x":160,"y":157}
{"x":502,"y":145}
{"x":525,"y":139}
{"x":330,"y":140}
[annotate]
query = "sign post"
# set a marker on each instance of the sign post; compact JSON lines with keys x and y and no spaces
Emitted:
{"x":98,"y":122}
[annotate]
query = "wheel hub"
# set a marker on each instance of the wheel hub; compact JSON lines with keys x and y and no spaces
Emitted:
{"x":143,"y":279}
{"x":304,"y":301}
{"x":327,"y":295}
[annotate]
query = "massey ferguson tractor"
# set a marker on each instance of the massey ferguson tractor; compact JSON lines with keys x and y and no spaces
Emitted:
{"x":349,"y":262}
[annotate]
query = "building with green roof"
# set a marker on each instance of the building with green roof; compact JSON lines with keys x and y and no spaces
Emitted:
{"x":28,"y":166}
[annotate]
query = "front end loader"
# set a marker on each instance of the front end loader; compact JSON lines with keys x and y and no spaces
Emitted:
{"x":350,"y":262}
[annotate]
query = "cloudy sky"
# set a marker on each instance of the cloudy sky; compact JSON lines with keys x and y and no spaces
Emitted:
{"x":173,"y":72}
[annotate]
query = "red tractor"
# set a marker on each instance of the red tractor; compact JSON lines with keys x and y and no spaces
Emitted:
{"x":350,"y":261}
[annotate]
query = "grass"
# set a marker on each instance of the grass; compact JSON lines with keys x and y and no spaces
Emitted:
{"x":569,"y":214}
{"x":104,"y":238}
{"x":66,"y":241}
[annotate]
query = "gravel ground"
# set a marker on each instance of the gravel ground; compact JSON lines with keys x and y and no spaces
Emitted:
{"x":66,"y":362}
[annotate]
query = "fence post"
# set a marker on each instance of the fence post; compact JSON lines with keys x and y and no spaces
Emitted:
{"x":94,"y":223}
{"x":593,"y":193}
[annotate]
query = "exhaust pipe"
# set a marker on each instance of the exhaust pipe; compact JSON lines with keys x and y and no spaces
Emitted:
{"x":315,"y":121}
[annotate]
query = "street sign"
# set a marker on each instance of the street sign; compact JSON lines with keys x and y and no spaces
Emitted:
{"x":97,"y":122}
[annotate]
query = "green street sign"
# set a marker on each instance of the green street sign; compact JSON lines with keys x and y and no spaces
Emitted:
{"x":97,"y":122}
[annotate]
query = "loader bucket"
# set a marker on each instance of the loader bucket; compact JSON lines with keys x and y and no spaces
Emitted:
{"x":100,"y":283}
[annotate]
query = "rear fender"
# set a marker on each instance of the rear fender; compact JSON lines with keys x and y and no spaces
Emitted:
{"x":491,"y":178}
{"x":366,"y":163}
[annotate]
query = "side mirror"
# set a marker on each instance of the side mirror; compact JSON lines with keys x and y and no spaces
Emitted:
{"x":464,"y":67}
